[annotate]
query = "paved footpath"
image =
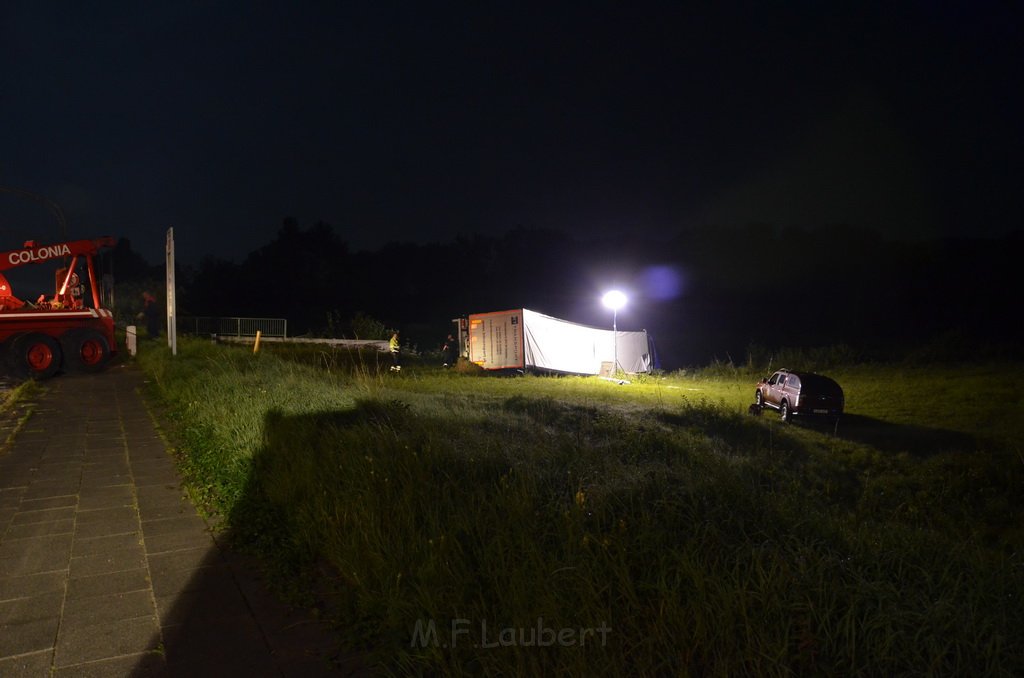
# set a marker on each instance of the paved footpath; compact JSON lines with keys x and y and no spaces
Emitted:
{"x":105,"y":567}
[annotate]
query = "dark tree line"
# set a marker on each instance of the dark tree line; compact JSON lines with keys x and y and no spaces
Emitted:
{"x":720,"y":292}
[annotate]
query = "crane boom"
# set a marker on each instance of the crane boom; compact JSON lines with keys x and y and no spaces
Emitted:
{"x":31,"y":253}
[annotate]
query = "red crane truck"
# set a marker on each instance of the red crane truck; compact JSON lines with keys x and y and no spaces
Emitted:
{"x":41,"y":337}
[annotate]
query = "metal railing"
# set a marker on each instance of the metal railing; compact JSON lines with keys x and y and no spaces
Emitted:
{"x":233,"y":327}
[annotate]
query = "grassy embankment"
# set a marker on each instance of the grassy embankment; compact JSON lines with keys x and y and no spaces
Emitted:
{"x":708,"y":541}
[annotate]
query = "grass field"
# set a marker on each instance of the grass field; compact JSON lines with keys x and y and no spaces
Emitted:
{"x":477,"y":525}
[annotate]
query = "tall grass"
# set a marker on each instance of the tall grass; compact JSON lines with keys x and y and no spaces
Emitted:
{"x":217,"y":397}
{"x":15,"y":407}
{"x":658,"y":524}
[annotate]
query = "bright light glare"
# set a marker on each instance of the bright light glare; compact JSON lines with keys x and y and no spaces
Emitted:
{"x":614,"y":300}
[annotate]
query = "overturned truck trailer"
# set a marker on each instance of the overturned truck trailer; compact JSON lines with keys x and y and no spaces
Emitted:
{"x":524,"y":339}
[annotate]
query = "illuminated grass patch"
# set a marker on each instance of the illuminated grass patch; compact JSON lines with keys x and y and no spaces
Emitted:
{"x":704,"y":540}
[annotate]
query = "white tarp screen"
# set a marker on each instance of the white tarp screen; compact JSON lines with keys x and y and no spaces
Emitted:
{"x":634,"y":351}
{"x":524,"y":338}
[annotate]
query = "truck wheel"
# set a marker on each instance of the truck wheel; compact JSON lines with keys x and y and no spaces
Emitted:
{"x":36,"y":356}
{"x":85,"y":351}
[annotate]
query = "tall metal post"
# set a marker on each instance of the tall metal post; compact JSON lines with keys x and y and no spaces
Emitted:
{"x":172,"y":313}
{"x":615,"y":339}
{"x":614,"y":299}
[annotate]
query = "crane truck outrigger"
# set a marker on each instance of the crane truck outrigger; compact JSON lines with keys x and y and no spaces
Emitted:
{"x":39,"y":338}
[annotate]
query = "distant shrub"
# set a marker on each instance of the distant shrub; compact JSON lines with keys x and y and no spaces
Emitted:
{"x":367,"y":327}
{"x":762,"y":360}
{"x":464,"y":366}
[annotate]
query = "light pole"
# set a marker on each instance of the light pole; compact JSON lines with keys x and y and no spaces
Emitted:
{"x":614,"y":300}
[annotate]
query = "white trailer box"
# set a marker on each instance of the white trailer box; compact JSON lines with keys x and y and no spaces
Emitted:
{"x":521,"y":339}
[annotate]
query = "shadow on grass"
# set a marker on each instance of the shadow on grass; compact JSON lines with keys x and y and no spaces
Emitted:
{"x":921,"y":441}
{"x":221,"y":606}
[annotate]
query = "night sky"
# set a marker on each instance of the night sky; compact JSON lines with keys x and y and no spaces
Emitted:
{"x":420,"y":121}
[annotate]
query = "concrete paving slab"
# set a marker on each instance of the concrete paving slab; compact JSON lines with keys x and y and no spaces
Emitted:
{"x":101,"y":545}
{"x":186,"y":559}
{"x":134,"y":665}
{"x":161,"y":511}
{"x":176,"y":582}
{"x":43,"y":515}
{"x":208,"y":604}
{"x":181,"y":523}
{"x":30,"y":636}
{"x":59,"y":544}
{"x":108,"y":562}
{"x":160,"y":496}
{"x":32,"y":608}
{"x":108,"y":608}
{"x":49,"y":502}
{"x":116,"y":513}
{"x":103,"y":459}
{"x":79,"y":643}
{"x":106,"y":528}
{"x":93,"y":586}
{"x":32,"y":585}
{"x":45,"y":490}
{"x":51,"y":527}
{"x":226,"y":645}
{"x":149,"y":473}
{"x":34,"y":555}
{"x":10,"y":497}
{"x":35,"y":664}
{"x":106,"y":569}
{"x":179,"y":540}
{"x":110,"y":496}
{"x":14,"y":478}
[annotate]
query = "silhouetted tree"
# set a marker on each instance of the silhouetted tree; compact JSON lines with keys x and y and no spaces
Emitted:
{"x":775,"y":287}
{"x":215,"y":288}
{"x":301,"y":275}
{"x":127,"y":264}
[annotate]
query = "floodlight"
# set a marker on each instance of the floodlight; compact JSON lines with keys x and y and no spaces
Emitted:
{"x":614,"y":300}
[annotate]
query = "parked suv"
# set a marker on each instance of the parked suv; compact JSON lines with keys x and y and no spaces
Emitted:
{"x":800,"y":393}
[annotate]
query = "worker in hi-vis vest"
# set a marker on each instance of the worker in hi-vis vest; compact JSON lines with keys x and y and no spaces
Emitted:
{"x":395,"y":348}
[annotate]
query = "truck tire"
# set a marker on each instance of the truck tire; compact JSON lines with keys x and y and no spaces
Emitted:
{"x":35,"y":355}
{"x":85,"y":350}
